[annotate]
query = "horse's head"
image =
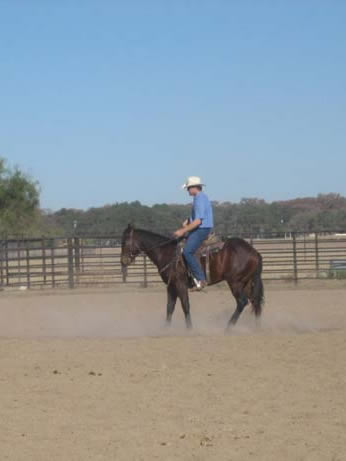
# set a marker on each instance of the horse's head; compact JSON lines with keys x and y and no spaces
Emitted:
{"x":129,"y":246}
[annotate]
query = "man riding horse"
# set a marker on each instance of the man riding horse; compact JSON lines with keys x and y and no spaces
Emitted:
{"x":197,"y":227}
{"x":237,"y":263}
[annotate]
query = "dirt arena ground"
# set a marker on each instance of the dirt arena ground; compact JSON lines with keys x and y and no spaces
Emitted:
{"x":93,"y":375}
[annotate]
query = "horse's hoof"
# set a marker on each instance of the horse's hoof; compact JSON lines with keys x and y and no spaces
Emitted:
{"x":228,"y":330}
{"x":167,"y":324}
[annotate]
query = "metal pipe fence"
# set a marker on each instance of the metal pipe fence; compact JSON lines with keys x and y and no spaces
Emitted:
{"x":87,"y":261}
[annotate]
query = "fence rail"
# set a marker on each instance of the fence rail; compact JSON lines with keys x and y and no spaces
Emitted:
{"x":73,"y":262}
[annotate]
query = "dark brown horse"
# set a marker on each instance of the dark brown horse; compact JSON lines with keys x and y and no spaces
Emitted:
{"x":238,"y":263}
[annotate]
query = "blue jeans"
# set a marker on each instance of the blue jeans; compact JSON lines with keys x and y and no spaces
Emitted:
{"x":194,"y":241}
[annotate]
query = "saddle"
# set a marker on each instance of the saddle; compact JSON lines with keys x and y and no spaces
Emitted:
{"x":211,"y":245}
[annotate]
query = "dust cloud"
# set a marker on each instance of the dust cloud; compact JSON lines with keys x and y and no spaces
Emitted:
{"x":141,"y":313}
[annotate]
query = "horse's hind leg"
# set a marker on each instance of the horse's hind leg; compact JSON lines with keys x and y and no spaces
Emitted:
{"x":171,"y":301}
{"x":242,"y":301}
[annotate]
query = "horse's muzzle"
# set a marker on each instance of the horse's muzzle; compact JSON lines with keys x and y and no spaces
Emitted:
{"x":125,"y":261}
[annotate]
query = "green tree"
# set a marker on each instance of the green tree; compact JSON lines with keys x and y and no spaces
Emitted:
{"x":249,"y":216}
{"x":19,"y":201}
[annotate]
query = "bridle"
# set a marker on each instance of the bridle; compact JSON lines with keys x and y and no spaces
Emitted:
{"x":132,"y":251}
{"x":134,"y":248}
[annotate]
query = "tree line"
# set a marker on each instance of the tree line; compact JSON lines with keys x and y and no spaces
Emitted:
{"x":326,"y":212}
{"x":20,"y":214}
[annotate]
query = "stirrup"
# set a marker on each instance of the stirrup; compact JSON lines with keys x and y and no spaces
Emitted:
{"x":199,"y":284}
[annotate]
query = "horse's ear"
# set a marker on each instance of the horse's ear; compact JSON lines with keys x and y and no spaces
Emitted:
{"x":130,"y":226}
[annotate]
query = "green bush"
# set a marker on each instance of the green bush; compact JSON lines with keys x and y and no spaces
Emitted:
{"x":338,"y":274}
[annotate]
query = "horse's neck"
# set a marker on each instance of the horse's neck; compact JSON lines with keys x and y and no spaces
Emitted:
{"x":158,"y":250}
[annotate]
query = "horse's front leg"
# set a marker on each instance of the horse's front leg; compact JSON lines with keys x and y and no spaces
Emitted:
{"x":185,"y":302}
{"x":171,"y":301}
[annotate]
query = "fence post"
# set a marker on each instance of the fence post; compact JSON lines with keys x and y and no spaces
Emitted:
{"x":77,"y":257}
{"x":70,"y":263}
{"x":82,"y":255}
{"x":19,"y":265}
{"x":295,"y":265}
{"x":52,"y":256}
{"x":317,"y":255}
{"x":6,"y":264}
{"x":27,"y":251}
{"x":145,"y":282}
{"x":44,"y":266}
{"x":1,"y":266}
{"x":124,"y":273}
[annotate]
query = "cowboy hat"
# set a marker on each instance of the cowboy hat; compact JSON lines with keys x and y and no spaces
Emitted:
{"x":192,"y":181}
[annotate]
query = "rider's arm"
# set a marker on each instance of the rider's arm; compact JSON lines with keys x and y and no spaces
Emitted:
{"x":193,"y":225}
{"x":188,"y":228}
{"x":198,"y":213}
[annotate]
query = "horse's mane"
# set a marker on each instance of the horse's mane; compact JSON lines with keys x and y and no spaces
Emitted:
{"x":152,"y":238}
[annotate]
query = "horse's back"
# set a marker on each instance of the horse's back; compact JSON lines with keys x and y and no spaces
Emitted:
{"x":241,"y":253}
{"x":236,"y":243}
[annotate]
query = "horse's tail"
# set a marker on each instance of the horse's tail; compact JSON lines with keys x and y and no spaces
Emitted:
{"x":257,"y":291}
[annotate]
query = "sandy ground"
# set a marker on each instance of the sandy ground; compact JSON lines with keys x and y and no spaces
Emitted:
{"x":95,"y":376}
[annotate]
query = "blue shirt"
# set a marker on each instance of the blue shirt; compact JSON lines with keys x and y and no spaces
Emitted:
{"x":202,"y":209}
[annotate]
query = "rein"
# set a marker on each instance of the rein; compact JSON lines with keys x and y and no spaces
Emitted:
{"x":151,"y":248}
{"x":135,"y":246}
{"x":162,"y":244}
{"x":169,"y":264}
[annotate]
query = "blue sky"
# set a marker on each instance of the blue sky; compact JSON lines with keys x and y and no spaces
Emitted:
{"x":108,"y":101}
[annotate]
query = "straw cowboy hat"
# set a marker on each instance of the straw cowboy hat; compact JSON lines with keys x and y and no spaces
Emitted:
{"x":192,"y":181}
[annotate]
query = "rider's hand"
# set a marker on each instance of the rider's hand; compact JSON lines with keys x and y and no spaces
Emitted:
{"x":185,"y":223}
{"x":179,"y":233}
